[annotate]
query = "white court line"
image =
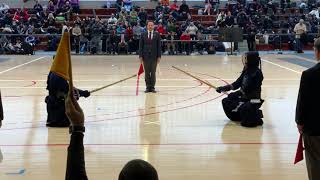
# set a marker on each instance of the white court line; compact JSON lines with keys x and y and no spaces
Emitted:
{"x":15,"y":67}
{"x":283,"y":67}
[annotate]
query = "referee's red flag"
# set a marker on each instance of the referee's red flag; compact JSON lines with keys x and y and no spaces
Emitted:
{"x":299,"y":153}
{"x":141,"y":71}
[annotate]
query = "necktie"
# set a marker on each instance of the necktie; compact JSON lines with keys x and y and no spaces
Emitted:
{"x":149,"y":35}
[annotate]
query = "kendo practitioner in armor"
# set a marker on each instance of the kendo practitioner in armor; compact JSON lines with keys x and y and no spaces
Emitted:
{"x":244,"y":105}
{"x":58,"y":90}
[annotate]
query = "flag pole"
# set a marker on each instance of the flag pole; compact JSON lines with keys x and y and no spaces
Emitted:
{"x":70,"y":64}
{"x":117,"y":82}
{"x":202,"y":81}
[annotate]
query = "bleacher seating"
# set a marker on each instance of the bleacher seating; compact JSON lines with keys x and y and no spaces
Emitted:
{"x":206,"y":20}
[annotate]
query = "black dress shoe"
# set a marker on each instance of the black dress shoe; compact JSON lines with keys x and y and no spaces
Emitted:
{"x":153,"y":91}
{"x":147,"y":91}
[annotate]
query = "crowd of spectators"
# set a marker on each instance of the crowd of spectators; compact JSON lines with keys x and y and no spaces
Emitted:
{"x":21,"y":25}
{"x":181,"y":34}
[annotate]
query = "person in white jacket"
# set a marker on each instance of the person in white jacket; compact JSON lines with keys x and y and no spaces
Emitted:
{"x":300,"y":29}
{"x":315,"y":12}
{"x":4,"y":8}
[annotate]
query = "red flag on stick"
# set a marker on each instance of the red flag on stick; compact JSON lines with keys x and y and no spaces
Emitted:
{"x":141,"y":71}
{"x":299,"y":153}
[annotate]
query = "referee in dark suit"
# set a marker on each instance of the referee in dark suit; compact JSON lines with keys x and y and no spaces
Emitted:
{"x":150,"y":55}
{"x":308,"y":116}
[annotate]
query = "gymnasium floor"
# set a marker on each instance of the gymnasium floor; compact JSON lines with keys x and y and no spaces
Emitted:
{"x":181,"y":130}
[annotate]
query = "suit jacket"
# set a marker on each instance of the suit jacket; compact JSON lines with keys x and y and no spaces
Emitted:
{"x":150,"y":49}
{"x":308,"y":103}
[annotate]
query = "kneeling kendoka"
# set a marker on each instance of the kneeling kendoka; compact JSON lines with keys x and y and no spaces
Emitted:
{"x":244,"y":105}
{"x":58,"y":90}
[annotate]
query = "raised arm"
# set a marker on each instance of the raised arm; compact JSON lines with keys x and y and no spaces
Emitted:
{"x":76,"y":169}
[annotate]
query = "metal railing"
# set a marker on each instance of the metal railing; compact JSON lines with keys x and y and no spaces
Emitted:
{"x":114,"y":43}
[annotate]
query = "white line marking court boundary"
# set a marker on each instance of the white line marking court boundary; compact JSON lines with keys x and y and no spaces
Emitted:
{"x":283,"y":67}
{"x":15,"y":67}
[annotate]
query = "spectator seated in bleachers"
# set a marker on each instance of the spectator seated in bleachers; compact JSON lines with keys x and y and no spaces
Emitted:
{"x":75,"y":6}
{"x":211,"y":46}
{"x":38,"y":7}
{"x":172,"y":35}
{"x":184,"y":11}
{"x":51,"y":7}
{"x":315,"y":12}
{"x":123,"y":45}
{"x":127,"y":4}
{"x":207,"y":8}
{"x":122,"y":16}
{"x":185,"y":38}
{"x":142,"y":17}
{"x":200,"y":45}
{"x":112,"y":19}
{"x":221,"y":18}
{"x":174,"y":6}
{"x":133,"y":17}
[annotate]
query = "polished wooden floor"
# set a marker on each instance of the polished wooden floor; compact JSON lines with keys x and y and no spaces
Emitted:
{"x":181,"y":130}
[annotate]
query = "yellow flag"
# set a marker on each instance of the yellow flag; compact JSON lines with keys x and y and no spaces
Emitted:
{"x":62,"y":62}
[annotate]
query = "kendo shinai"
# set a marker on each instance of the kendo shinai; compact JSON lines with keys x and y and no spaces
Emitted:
{"x":244,"y":105}
{"x":58,"y":90}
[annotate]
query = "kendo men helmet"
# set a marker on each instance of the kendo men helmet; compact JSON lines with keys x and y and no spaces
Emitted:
{"x":252,"y":59}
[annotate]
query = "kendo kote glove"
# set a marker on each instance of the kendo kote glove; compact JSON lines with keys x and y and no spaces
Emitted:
{"x":223,"y":88}
{"x":85,"y":93}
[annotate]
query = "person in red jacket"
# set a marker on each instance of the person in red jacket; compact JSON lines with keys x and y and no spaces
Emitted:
{"x":25,"y":15}
{"x":185,"y":38}
{"x":129,"y":37}
{"x":129,"y":32}
{"x":174,"y":6}
{"x":161,"y":29}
